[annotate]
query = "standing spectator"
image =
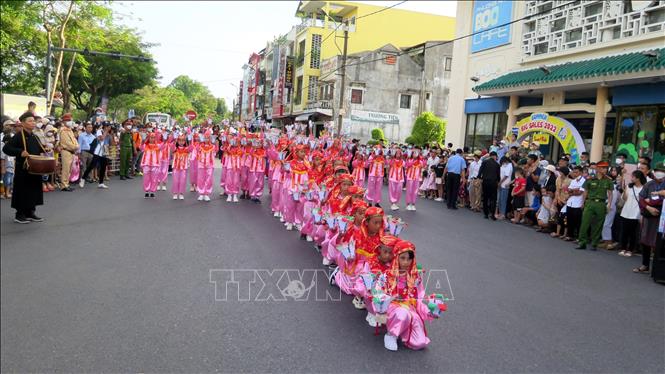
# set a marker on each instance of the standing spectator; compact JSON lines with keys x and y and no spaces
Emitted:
{"x":629,"y":219}
{"x":519,"y":191}
{"x":617,"y":184}
{"x":651,"y":204}
{"x":85,"y":139}
{"x":438,"y":177}
{"x":489,"y":173}
{"x":27,"y":192}
{"x":139,"y":136}
{"x":584,"y":160}
{"x":597,"y":200}
{"x":455,"y":169}
{"x":574,"y":203}
{"x":7,"y":161}
{"x":532,"y":175}
{"x":475,"y":183}
{"x":69,"y":147}
{"x":126,"y":150}
{"x":560,"y":199}
{"x":549,"y":180}
{"x":505,"y":179}
{"x":100,"y":151}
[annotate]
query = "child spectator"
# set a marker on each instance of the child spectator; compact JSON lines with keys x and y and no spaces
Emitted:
{"x":519,"y":192}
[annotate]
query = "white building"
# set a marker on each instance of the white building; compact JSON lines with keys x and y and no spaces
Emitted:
{"x":594,"y":67}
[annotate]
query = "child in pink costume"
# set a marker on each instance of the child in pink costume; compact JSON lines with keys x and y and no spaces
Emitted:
{"x":414,"y":174}
{"x":256,"y":161}
{"x":406,"y":314}
{"x":193,"y":163}
{"x":232,"y":165}
{"x":359,"y":169}
{"x":376,"y":164}
{"x":167,"y":140}
{"x":205,"y":157}
{"x":150,"y":164}
{"x":181,"y":151}
{"x":395,"y":179}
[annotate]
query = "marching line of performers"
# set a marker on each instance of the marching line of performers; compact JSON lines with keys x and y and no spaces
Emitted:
{"x":313,"y":192}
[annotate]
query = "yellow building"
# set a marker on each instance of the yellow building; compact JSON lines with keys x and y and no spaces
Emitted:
{"x":320,"y":36}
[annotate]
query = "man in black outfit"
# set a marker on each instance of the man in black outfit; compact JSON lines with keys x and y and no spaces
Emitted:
{"x":489,"y":174}
{"x":27,"y":192}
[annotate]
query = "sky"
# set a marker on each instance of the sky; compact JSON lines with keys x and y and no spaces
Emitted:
{"x":210,"y":40}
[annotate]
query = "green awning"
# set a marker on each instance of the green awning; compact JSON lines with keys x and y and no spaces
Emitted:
{"x":599,"y":67}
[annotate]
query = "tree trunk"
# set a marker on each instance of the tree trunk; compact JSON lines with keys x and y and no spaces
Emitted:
{"x":58,"y":67}
{"x":66,"y":94}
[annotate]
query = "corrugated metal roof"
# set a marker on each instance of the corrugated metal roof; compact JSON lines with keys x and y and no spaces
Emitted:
{"x":599,"y":67}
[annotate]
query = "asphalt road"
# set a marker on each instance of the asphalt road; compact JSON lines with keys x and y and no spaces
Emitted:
{"x":116,"y":283}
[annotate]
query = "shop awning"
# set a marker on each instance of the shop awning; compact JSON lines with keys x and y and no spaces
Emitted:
{"x":305,"y":116}
{"x":609,"y":67}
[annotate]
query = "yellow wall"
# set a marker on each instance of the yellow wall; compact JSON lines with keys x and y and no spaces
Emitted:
{"x":401,"y":28}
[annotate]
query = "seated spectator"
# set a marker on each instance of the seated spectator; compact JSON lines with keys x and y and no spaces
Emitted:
{"x":529,"y":213}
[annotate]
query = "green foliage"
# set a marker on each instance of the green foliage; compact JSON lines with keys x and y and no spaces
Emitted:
{"x":427,"y":129}
{"x":103,"y":76}
{"x":22,"y":48}
{"x":162,"y":99}
{"x":203,"y":102}
{"x":410,"y":140}
{"x":377,"y":134}
{"x":23,"y":43}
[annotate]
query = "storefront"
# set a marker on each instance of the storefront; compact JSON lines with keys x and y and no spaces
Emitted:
{"x":615,"y":104}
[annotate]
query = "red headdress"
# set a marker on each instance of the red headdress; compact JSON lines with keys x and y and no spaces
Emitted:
{"x":358,"y":204}
{"x":410,"y":291}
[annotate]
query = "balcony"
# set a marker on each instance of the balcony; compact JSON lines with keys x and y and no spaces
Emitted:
{"x":309,"y":22}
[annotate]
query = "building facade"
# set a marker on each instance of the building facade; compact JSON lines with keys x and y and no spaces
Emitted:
{"x":574,"y":76}
{"x":320,"y":37}
{"x":389,"y":92}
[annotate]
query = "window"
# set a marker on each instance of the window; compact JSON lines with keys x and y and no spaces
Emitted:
{"x":356,"y":96}
{"x":311,"y":91}
{"x":405,"y":101}
{"x":482,"y":128}
{"x":315,"y":58}
{"x":447,"y":63}
{"x":427,"y":96}
{"x":298,"y":93}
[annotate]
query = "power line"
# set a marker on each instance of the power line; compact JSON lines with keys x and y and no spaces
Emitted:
{"x":456,"y":39}
{"x":381,"y":10}
{"x":340,"y":24}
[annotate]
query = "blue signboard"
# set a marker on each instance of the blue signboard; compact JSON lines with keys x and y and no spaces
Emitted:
{"x":488,"y":15}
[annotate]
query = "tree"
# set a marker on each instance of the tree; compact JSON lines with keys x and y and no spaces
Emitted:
{"x":203,"y":102}
{"x":377,"y":134}
{"x":55,"y":18}
{"x":22,"y":48}
{"x":428,"y":128}
{"x":161,"y":99}
{"x":94,"y":77}
{"x":221,"y":107}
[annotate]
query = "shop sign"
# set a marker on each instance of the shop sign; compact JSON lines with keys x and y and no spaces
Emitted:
{"x":327,"y":67}
{"x":557,"y":127}
{"x":541,"y":139}
{"x":488,"y":16}
{"x":288,"y":73}
{"x":376,"y":117}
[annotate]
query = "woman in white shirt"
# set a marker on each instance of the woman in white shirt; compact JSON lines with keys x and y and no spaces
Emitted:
{"x":630,"y":214}
{"x":505,"y":179}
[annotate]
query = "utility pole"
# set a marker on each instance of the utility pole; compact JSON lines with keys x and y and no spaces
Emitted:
{"x":343,"y":83}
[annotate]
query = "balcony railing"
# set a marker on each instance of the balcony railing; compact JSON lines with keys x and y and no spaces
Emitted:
{"x":309,"y":22}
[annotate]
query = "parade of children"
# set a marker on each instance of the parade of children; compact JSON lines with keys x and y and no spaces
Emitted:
{"x":316,"y":187}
